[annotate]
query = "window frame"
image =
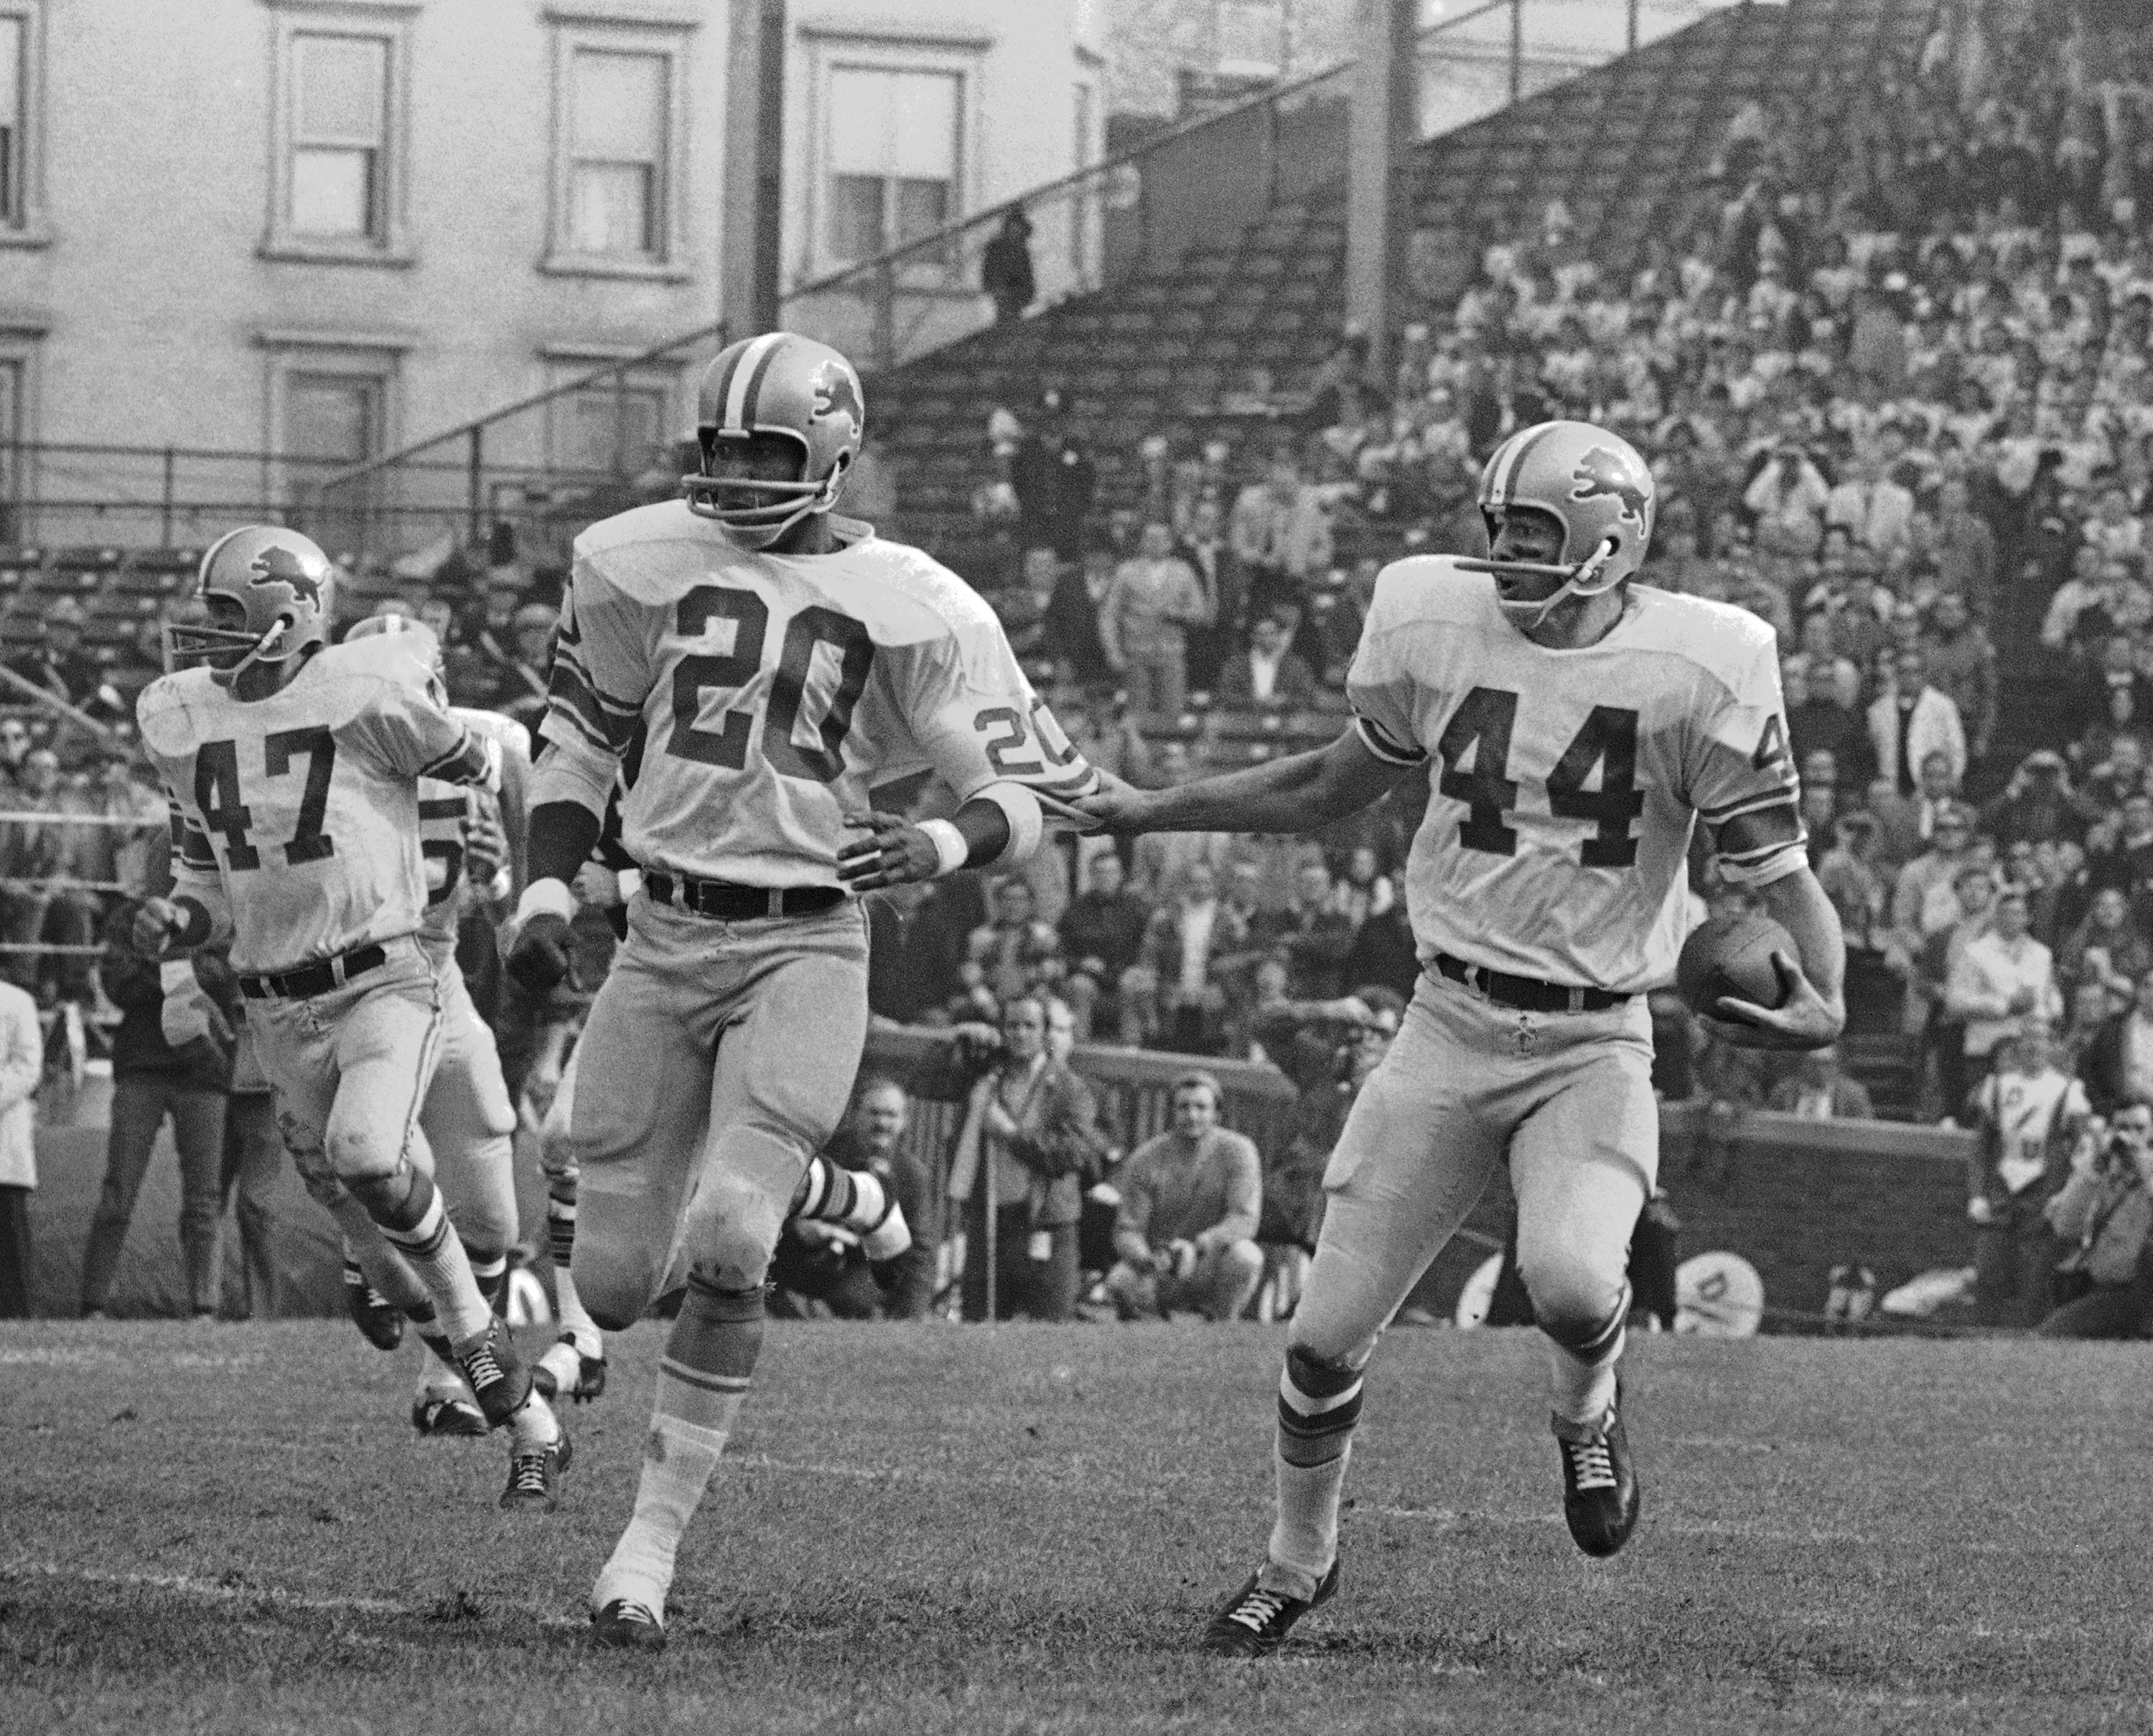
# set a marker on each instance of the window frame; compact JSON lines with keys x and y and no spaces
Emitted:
{"x":21,"y":348}
{"x":667,"y":36}
{"x":830,"y":52}
{"x":566,"y":362}
{"x":391,"y":21}
{"x":375,"y":356}
{"x":32,"y":226}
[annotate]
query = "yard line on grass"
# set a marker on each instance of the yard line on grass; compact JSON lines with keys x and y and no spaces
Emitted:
{"x":185,"y":1586}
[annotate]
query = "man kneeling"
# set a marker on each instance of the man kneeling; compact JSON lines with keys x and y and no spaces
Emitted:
{"x":1190,"y":1200}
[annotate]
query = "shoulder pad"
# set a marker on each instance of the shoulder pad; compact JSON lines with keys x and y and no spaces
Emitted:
{"x":169,"y":710}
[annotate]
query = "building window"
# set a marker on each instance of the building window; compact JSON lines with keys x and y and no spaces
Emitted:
{"x":22,"y":125}
{"x":331,"y":404}
{"x":339,"y":120}
{"x":894,"y":152}
{"x":337,"y":170}
{"x":620,"y":103}
{"x":617,"y":167}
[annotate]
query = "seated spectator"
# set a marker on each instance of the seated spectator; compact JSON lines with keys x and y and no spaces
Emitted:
{"x":1816,"y":721}
{"x":2000,"y":981}
{"x":1170,"y":1000}
{"x":1028,"y":1148}
{"x":1313,"y":933}
{"x":1819,"y":1091}
{"x":1269,"y":673}
{"x":1191,"y":1200}
{"x":823,"y":1262}
{"x":2118,"y":698}
{"x":1328,"y":1049}
{"x":1102,"y":935}
{"x":2120,"y":851}
{"x":2027,"y":1117}
{"x":1925,"y":897}
{"x":1010,"y":947}
{"x":1363,"y":890}
{"x":2103,"y":1215}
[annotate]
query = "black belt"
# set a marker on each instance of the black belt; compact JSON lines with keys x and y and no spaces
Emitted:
{"x":315,"y":979}
{"x":1528,"y":993}
{"x":728,"y":903}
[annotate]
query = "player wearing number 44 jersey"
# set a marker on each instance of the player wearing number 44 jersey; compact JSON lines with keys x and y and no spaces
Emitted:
{"x":295,"y":768}
{"x":774,"y":662}
{"x":1574,"y":726}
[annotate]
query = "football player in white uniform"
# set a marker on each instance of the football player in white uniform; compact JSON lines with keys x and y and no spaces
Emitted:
{"x":774,"y":661}
{"x":467,"y":1119}
{"x":296,"y":768}
{"x":1573,"y":725}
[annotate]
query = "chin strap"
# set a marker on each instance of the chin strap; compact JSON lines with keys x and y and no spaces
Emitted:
{"x":281,"y":625}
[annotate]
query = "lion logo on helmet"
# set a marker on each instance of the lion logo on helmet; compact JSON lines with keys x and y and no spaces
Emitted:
{"x":279,"y":566}
{"x":1604,"y":472}
{"x":836,"y":394}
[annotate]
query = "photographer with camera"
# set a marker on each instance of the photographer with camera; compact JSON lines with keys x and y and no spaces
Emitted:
{"x":2105,"y":1212}
{"x":1787,"y":497}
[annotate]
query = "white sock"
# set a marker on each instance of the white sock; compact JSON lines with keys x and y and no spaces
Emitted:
{"x":434,"y":1254}
{"x":678,"y":1460}
{"x":1305,"y":1537}
{"x":575,"y":1318}
{"x":1583,"y":1392}
{"x":564,"y":1364}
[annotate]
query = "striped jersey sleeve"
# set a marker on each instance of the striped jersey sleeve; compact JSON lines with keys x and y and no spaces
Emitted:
{"x":602,"y":671}
{"x":1741,"y":773}
{"x":977,"y":721}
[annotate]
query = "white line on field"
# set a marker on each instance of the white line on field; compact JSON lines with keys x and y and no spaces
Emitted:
{"x":1452,"y":1519}
{"x":212,"y":1590}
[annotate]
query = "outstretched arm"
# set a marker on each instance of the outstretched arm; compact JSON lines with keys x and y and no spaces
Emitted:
{"x":1299,"y":793}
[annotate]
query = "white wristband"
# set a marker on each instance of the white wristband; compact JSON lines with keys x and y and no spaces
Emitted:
{"x":548,"y":897}
{"x":950,"y":846}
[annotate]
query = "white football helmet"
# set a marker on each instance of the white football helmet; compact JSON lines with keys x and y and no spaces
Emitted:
{"x":785,"y":384}
{"x":270,"y":594}
{"x":1593,"y":484}
{"x":424,"y":644}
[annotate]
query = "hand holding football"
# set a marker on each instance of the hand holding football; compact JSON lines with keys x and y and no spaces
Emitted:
{"x":1731,"y":957}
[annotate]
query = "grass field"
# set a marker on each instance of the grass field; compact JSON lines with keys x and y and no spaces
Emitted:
{"x":959,"y":1529}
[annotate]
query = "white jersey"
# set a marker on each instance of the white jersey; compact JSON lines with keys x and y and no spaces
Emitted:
{"x":1563,"y":784}
{"x":299,"y":812}
{"x":445,"y":811}
{"x":771,"y":691}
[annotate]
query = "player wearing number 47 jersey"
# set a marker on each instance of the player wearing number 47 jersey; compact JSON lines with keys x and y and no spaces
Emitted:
{"x":1574,"y":727}
{"x":295,"y":768}
{"x":774,"y":662}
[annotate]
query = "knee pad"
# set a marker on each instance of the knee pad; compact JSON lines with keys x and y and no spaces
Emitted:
{"x":733,"y":1225}
{"x":1590,"y":1332}
{"x":1320,"y":1377}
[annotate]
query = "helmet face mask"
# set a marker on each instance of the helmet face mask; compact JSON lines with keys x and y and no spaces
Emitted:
{"x":268,"y":593}
{"x":779,"y":419}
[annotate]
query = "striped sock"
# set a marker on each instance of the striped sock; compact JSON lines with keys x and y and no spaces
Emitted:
{"x":708,"y":1358}
{"x":489,"y":1272}
{"x":425,"y":1237}
{"x":854,"y":1198}
{"x":1315,"y":1442}
{"x":561,"y":1227}
{"x":1581,"y":1368}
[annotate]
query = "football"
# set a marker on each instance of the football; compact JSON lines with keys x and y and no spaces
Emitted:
{"x":1732,"y":955}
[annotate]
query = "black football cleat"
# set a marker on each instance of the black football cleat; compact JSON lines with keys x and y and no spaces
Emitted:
{"x":626,"y":1627}
{"x":496,"y":1374}
{"x":440,"y":1414}
{"x":1255,"y":1622}
{"x":379,"y":1322}
{"x":534,"y":1477}
{"x":1599,"y":1482}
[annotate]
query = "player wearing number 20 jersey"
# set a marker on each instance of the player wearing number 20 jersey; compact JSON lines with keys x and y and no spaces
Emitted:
{"x":756,"y":665}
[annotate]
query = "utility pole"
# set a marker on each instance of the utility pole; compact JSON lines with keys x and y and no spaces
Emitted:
{"x":1386,"y":126}
{"x":754,"y":178}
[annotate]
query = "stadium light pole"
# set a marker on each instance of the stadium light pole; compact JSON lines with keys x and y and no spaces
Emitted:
{"x":1385,"y":126}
